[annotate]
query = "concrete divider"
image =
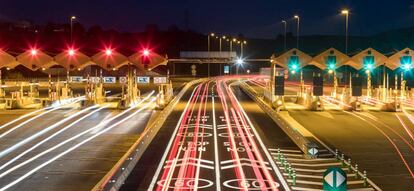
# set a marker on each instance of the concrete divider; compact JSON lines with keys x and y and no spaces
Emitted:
{"x":114,"y":179}
{"x":298,"y":138}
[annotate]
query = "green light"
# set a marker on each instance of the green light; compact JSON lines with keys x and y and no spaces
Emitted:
{"x":369,"y":62}
{"x":294,"y":62}
{"x":406,"y":62}
{"x":331,"y":62}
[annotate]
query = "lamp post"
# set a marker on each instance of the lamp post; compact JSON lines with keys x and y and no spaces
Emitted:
{"x":346,"y":13}
{"x":72,"y":18}
{"x":297,"y":30}
{"x":241,"y":47}
{"x":284,"y":34}
{"x":208,"y":50}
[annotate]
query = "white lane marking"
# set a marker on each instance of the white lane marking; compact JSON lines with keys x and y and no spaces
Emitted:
{"x":286,"y":150}
{"x":74,"y":147}
{"x":244,"y":164}
{"x":242,"y":159}
{"x":314,"y":165}
{"x":194,"y":159}
{"x":216,"y":154}
{"x":190,"y":164}
{"x":264,"y":149}
{"x":157,"y":172}
{"x":50,"y":137}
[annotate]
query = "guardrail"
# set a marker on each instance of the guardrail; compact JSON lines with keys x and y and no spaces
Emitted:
{"x":114,"y":179}
{"x":302,"y":142}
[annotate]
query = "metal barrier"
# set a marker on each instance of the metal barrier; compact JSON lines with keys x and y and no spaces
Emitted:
{"x":114,"y":179}
{"x":302,"y":142}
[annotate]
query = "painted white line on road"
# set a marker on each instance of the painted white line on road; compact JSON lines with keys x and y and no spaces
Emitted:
{"x":269,"y":157}
{"x":242,"y":159}
{"x":194,"y":159}
{"x":164,"y":156}
{"x":216,"y":154}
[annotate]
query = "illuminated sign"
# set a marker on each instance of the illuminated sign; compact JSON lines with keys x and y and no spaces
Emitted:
{"x":76,"y":79}
{"x":109,"y":80}
{"x":143,"y":80}
{"x":160,"y":80}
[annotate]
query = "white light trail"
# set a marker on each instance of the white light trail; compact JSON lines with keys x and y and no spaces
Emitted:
{"x":33,"y":118}
{"x":43,"y":131}
{"x":68,"y":140}
{"x":74,"y":147}
{"x":48,"y":138}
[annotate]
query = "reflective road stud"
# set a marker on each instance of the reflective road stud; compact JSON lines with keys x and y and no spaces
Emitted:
{"x":334,"y":179}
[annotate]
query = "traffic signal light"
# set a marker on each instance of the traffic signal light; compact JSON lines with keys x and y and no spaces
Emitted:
{"x":145,"y":57}
{"x":331,"y":62}
{"x":406,"y":62}
{"x":369,"y":62}
{"x":294,"y":63}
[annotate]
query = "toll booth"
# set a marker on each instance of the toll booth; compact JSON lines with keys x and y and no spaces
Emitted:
{"x":314,"y":102}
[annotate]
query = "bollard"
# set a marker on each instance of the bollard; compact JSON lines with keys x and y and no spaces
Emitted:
{"x":356,"y":171}
{"x":343,"y":160}
{"x":349,"y":165}
{"x":336,"y":154}
{"x":290,"y":171}
{"x":294,"y":178}
{"x":278,"y":154}
{"x":365,"y":179}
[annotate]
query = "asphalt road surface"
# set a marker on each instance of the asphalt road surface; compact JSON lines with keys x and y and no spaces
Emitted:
{"x":382,"y":143}
{"x":25,"y":164}
{"x":215,"y":139}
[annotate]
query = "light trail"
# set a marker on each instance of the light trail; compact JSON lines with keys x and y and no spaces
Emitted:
{"x":43,"y":131}
{"x":177,"y":148}
{"x":50,"y":137}
{"x":389,"y":140}
{"x":251,"y":141}
{"x":33,"y":118}
{"x":405,"y":127}
{"x":75,"y":146}
{"x":163,"y":159}
{"x":216,"y":157}
{"x":68,"y":140}
{"x":260,"y":141}
{"x":22,"y":117}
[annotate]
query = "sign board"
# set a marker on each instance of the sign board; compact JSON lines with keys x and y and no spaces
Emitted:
{"x":279,"y":85}
{"x":76,"y":79}
{"x":160,"y":80}
{"x":143,"y":80}
{"x":313,"y":151}
{"x":334,"y":179}
{"x":226,"y":69}
{"x":109,"y":80}
{"x":318,"y":85}
{"x":356,"y":86}
{"x":123,"y":80}
{"x":95,"y":80}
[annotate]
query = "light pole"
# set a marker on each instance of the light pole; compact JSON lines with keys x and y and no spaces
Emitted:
{"x":241,"y":48}
{"x":297,"y":30}
{"x":346,"y":13}
{"x":72,"y":18}
{"x":284,"y":35}
{"x":208,"y":50}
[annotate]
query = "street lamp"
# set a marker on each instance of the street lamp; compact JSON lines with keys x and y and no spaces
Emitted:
{"x":346,"y":13}
{"x":297,"y":31}
{"x":72,"y":18}
{"x":241,"y":47}
{"x":208,"y":50}
{"x":284,"y":35}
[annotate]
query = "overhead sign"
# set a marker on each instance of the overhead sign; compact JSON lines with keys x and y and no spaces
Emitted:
{"x":109,"y":80}
{"x":95,"y":80}
{"x":76,"y":79}
{"x":334,"y":179}
{"x":123,"y":80}
{"x":160,"y":80}
{"x":143,"y":80}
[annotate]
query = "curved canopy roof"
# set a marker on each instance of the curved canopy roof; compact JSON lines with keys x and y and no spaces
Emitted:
{"x":320,"y":60}
{"x":357,"y":61}
{"x":72,"y":62}
{"x":394,"y":61}
{"x":283,"y":60}
{"x":35,"y":59}
{"x":110,"y":61}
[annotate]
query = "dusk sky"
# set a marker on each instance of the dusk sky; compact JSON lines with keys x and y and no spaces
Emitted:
{"x":260,"y":18}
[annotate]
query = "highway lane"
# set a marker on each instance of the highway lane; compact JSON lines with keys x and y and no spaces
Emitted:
{"x":379,"y":142}
{"x":213,"y":145}
{"x":82,"y":168}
